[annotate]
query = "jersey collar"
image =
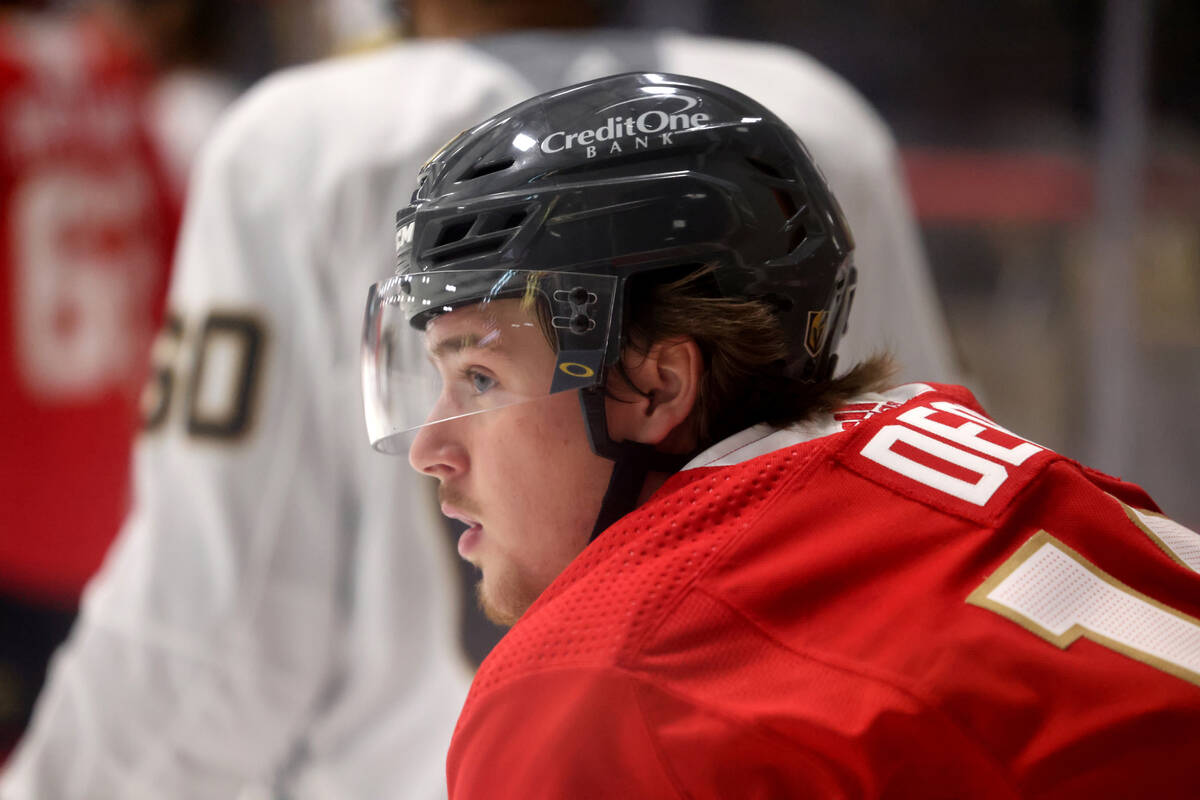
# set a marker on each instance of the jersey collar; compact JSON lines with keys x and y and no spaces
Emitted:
{"x":758,"y":440}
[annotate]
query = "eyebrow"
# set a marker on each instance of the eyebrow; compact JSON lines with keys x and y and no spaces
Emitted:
{"x":467,"y":341}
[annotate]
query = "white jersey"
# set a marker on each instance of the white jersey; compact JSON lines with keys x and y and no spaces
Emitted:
{"x":183,"y":107}
{"x":280,"y":608}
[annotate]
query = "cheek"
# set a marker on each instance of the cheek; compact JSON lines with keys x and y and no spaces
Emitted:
{"x":561,"y":480}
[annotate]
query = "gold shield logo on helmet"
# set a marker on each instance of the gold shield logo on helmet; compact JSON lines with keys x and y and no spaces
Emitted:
{"x":818,"y":327}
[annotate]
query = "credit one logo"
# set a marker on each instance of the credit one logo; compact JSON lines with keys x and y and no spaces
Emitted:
{"x":618,"y":132}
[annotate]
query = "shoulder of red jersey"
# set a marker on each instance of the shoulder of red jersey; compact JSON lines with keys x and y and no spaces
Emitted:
{"x":928,"y":442}
{"x":939,"y":448}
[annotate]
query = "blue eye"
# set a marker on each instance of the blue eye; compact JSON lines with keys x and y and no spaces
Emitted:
{"x":480,"y":382}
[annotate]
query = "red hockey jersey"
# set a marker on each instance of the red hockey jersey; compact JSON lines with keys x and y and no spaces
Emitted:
{"x":901,"y":600}
{"x":85,"y":248}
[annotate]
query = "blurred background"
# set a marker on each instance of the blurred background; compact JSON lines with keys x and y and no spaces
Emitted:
{"x":1052,"y":150}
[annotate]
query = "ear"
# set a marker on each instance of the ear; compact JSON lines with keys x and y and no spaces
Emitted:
{"x":668,"y":384}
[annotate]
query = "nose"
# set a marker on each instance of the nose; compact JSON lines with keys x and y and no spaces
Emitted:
{"x":437,"y":450}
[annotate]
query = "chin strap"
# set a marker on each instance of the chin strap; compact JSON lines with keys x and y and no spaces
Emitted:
{"x":628,"y":476}
{"x":633,"y":461}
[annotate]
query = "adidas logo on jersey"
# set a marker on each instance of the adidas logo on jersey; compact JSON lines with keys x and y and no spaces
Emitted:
{"x":852,"y":414}
{"x":613,"y":136}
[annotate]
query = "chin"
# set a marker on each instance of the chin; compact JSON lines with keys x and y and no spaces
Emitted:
{"x":503,"y":601}
{"x":495,"y":613}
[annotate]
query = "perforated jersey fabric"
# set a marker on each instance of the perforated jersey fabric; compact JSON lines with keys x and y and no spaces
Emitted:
{"x":788,"y":617}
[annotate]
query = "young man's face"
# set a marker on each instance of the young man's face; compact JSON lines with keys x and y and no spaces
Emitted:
{"x":521,"y":475}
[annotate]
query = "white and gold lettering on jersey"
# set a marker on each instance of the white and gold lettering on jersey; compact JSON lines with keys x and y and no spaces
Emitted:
{"x":950,"y":448}
{"x":1054,"y":592}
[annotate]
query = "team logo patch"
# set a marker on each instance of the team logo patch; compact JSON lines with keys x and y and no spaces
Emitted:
{"x":817,"y":330}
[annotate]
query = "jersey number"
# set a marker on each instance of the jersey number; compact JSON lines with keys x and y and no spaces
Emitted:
{"x":85,"y":268}
{"x":1049,"y":589}
{"x":219,"y":375}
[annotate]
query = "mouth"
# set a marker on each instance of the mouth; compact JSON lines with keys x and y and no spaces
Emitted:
{"x":468,"y":541}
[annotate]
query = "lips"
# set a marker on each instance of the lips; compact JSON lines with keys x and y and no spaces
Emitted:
{"x":468,"y":541}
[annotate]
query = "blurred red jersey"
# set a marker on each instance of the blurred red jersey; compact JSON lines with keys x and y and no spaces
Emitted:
{"x":84,"y":255}
{"x":899,"y":600}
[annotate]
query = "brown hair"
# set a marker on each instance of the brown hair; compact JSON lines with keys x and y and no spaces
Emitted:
{"x":744,"y":349}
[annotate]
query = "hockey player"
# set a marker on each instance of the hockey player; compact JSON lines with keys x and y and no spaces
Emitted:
{"x":279,"y":608}
{"x":847,"y":590}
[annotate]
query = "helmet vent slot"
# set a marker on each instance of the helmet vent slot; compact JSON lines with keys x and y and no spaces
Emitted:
{"x":479,"y":170}
{"x":786,"y":204}
{"x":763,"y":167}
{"x":501,"y":220}
{"x":477,"y":234}
{"x":514,"y":219}
{"x":797,"y":236}
{"x":797,"y":233}
{"x":454,"y":232}
{"x":469,"y":248}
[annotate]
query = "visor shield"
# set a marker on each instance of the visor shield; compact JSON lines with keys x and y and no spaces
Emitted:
{"x":440,"y":346}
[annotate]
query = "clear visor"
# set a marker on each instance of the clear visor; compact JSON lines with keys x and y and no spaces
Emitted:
{"x":441,"y":346}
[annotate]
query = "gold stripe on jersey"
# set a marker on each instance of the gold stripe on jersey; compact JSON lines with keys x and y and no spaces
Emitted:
{"x":1178,"y":542}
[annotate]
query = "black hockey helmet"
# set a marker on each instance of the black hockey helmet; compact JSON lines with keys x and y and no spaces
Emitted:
{"x":571,"y":193}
